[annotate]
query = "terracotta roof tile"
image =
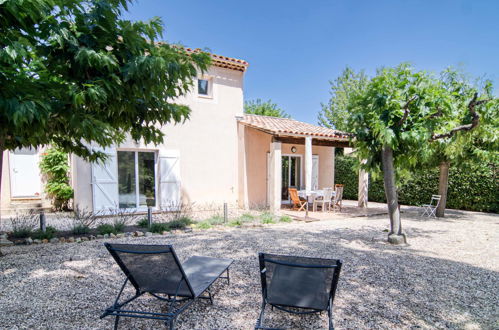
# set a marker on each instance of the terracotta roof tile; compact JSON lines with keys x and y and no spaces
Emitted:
{"x":224,"y":61}
{"x":285,"y":126}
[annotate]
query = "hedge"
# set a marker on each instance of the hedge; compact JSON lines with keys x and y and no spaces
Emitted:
{"x":476,"y":190}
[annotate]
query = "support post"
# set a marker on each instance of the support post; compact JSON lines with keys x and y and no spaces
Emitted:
{"x":226,"y":216}
{"x":149,"y":217}
{"x":43,"y":222}
{"x":308,"y":165}
{"x":275,"y":177}
{"x":363,"y":187}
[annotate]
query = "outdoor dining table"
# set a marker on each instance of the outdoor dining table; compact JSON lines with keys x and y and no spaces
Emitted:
{"x":313,"y":194}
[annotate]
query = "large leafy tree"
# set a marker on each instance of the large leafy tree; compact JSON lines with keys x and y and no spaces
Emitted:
{"x":74,"y":72}
{"x":334,"y":114}
{"x":399,"y":115}
{"x":267,"y":108}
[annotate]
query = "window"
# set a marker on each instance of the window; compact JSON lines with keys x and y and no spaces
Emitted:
{"x":136,"y":179}
{"x":204,"y":87}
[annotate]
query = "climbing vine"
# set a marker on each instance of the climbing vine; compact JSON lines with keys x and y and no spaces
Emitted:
{"x":55,"y":166}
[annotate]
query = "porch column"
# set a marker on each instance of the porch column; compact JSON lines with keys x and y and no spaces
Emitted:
{"x":275,"y":177}
{"x":308,"y":164}
{"x":243,"y":200}
{"x":363,"y":187}
{"x":334,"y":165}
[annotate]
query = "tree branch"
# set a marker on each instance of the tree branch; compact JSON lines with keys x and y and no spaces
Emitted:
{"x":475,"y":119}
{"x":406,"y":110}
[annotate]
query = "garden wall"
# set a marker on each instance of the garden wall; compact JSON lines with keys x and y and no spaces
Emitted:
{"x":474,"y":190}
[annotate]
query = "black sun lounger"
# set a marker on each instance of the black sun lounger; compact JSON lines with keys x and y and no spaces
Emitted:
{"x":298,"y":285}
{"x":155,"y":269}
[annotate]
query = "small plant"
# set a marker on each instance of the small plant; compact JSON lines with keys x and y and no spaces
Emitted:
{"x":204,"y":225}
{"x":106,"y":228}
{"x":119,"y":227}
{"x":143,"y":223}
{"x":285,"y":218}
{"x":55,"y":166}
{"x":83,"y":219}
{"x":159,"y":227}
{"x":247,"y":217}
{"x":235,"y":223}
{"x":122,"y":217}
{"x":48,"y":234}
{"x":216,"y":220}
{"x":267,"y":218}
{"x":23,"y":224}
{"x":180,"y":223}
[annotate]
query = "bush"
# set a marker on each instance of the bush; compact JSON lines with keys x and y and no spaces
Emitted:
{"x":235,"y":223}
{"x":119,"y":227}
{"x":267,"y":218}
{"x":55,"y":165}
{"x":83,"y":219}
{"x":180,"y":223}
{"x":216,"y":220}
{"x":285,"y":218}
{"x":106,"y":228}
{"x":246,"y":217}
{"x":143,"y":223}
{"x":23,"y":224}
{"x":48,"y":234}
{"x":204,"y":225}
{"x":159,"y":227}
{"x":474,"y":189}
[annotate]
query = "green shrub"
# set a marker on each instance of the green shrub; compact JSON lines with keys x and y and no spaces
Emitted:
{"x":48,"y":234}
{"x":22,"y":233}
{"x":267,"y":218}
{"x":285,"y":218}
{"x":55,"y":165}
{"x":235,"y":223}
{"x":106,"y":228}
{"x":180,"y":223}
{"x":159,"y":227}
{"x":23,"y":224}
{"x":475,"y":189}
{"x":203,"y":225}
{"x":119,"y":227}
{"x":143,"y":223}
{"x":81,"y":229}
{"x":216,"y":220}
{"x":246,"y":217}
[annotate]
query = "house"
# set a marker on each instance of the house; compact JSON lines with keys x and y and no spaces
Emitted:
{"x":220,"y":155}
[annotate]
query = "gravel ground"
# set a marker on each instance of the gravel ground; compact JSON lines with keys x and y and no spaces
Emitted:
{"x":447,"y":277}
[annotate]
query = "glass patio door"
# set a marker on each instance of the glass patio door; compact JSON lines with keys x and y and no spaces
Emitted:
{"x":136,"y":179}
{"x":291,"y":174}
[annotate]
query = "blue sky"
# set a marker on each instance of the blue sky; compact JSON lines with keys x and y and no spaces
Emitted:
{"x":295,"y":47}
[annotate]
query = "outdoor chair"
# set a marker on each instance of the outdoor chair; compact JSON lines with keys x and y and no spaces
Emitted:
{"x":338,"y":197}
{"x":298,"y":285}
{"x":156,"y":269}
{"x":324,"y":200}
{"x":430,"y":209}
{"x":298,"y":204}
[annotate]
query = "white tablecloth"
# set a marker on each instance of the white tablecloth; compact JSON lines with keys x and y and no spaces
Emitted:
{"x":313,"y":194}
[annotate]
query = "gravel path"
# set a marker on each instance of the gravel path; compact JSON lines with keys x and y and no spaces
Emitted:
{"x":448,"y":277}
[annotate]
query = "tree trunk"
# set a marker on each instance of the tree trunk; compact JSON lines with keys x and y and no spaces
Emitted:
{"x":1,"y":169}
{"x":395,"y":236}
{"x":443,"y":184}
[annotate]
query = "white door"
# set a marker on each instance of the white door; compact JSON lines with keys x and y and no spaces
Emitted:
{"x":315,"y":172}
{"x":24,"y":173}
{"x":105,"y":182}
{"x":169,"y":180}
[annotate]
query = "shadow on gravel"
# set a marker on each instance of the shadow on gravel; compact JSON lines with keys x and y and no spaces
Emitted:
{"x":381,"y":286}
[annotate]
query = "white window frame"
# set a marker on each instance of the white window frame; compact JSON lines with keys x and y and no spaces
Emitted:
{"x":156,"y":183}
{"x":210,"y":87}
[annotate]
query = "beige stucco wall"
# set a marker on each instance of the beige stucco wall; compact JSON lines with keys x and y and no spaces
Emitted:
{"x":207,"y":144}
{"x":258,"y":145}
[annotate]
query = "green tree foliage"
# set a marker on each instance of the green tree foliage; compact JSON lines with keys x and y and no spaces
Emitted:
{"x":267,"y":108}
{"x":397,"y":117}
{"x":334,"y":114}
{"x":75,"y":72}
{"x":55,"y":165}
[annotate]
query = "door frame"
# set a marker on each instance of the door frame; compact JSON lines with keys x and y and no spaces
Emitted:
{"x":289,"y":175}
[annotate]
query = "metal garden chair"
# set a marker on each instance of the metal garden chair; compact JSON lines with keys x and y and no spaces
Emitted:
{"x":430,"y":209}
{"x":298,"y":285}
{"x":155,"y":269}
